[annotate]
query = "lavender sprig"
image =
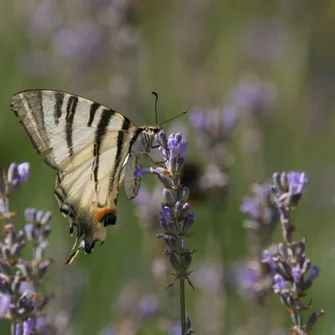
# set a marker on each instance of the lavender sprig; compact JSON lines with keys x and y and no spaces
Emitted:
{"x":214,"y":131}
{"x":20,"y":299}
{"x":292,"y":270}
{"x":175,"y":218}
{"x":254,"y":278}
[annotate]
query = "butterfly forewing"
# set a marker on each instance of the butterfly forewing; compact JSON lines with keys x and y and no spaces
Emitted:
{"x":64,"y":122}
{"x":89,"y":145}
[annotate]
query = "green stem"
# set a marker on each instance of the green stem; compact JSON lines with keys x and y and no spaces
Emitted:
{"x":182,"y":306}
{"x":13,"y":326}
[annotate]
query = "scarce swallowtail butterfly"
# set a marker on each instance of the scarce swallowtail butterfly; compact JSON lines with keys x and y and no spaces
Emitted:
{"x":92,"y":148}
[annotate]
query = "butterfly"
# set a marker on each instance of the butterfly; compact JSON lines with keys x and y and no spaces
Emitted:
{"x":93,"y":149}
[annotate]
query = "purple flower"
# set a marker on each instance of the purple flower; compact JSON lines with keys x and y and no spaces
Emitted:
{"x":247,"y":276}
{"x":253,"y":93}
{"x":297,"y":182}
{"x":268,"y":258}
{"x":177,"y":145}
{"x":175,"y":329}
{"x":148,"y":305}
{"x":229,"y":118}
{"x":18,"y":173}
{"x":45,"y":18}
{"x":5,"y":300}
{"x":314,"y":273}
{"x":28,"y":327}
{"x":291,"y":259}
{"x":296,"y":273}
{"x":209,"y":277}
{"x":139,"y":172}
{"x":23,"y":171}
{"x":251,"y":206}
{"x":175,"y":211}
{"x":166,"y":211}
{"x":182,"y":147}
{"x":280,"y":284}
{"x":20,"y":279}
{"x":30,"y":215}
{"x":198,"y":118}
{"x":82,"y":42}
{"x":289,"y":187}
{"x":161,"y":137}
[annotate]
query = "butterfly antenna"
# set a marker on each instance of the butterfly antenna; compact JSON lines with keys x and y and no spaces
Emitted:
{"x":175,"y":117}
{"x":156,"y":100}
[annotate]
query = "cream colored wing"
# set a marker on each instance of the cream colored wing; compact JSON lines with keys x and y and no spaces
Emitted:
{"x":89,"y":144}
{"x":131,"y":182}
{"x":66,"y":123}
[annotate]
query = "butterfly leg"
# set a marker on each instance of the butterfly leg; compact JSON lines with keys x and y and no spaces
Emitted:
{"x":78,"y":244}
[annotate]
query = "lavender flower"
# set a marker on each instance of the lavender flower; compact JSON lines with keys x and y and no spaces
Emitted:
{"x":147,"y":306}
{"x":15,"y":176}
{"x":292,"y":270}
{"x":147,"y":206}
{"x":103,"y":30}
{"x":208,"y":177}
{"x":177,"y":330}
{"x":20,"y":299}
{"x":135,"y":311}
{"x":254,"y":278}
{"x":175,"y":217}
{"x":83,"y":42}
{"x":254,"y":98}
{"x":254,"y":95}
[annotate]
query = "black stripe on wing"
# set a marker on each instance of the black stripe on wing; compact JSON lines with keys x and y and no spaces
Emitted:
{"x":70,"y":112}
{"x":94,"y":107}
{"x":120,"y":143}
{"x":59,"y":99}
{"x":101,"y":130}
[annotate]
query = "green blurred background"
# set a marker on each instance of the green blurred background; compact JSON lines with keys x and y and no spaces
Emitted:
{"x":193,"y":53}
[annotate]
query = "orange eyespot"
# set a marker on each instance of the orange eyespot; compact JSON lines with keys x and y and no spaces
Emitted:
{"x":101,"y":214}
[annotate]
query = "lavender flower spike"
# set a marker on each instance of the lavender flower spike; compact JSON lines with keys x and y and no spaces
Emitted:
{"x":292,"y":270}
{"x":175,"y":218}
{"x":20,"y":299}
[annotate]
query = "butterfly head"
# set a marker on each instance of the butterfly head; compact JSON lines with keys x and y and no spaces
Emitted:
{"x":151,"y":130}
{"x":148,"y":133}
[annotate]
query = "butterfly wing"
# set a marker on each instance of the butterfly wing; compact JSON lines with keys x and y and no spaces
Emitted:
{"x":131,"y":181}
{"x":87,"y":145}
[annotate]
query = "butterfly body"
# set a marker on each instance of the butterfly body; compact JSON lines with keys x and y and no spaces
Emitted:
{"x":93,"y":149}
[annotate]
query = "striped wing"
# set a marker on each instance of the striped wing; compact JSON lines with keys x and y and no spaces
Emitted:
{"x":87,"y":145}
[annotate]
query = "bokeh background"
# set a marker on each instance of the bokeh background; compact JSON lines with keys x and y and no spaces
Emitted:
{"x":268,"y":63}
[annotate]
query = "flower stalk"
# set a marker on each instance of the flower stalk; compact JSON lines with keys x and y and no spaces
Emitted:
{"x":175,"y":217}
{"x":293,"y":272}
